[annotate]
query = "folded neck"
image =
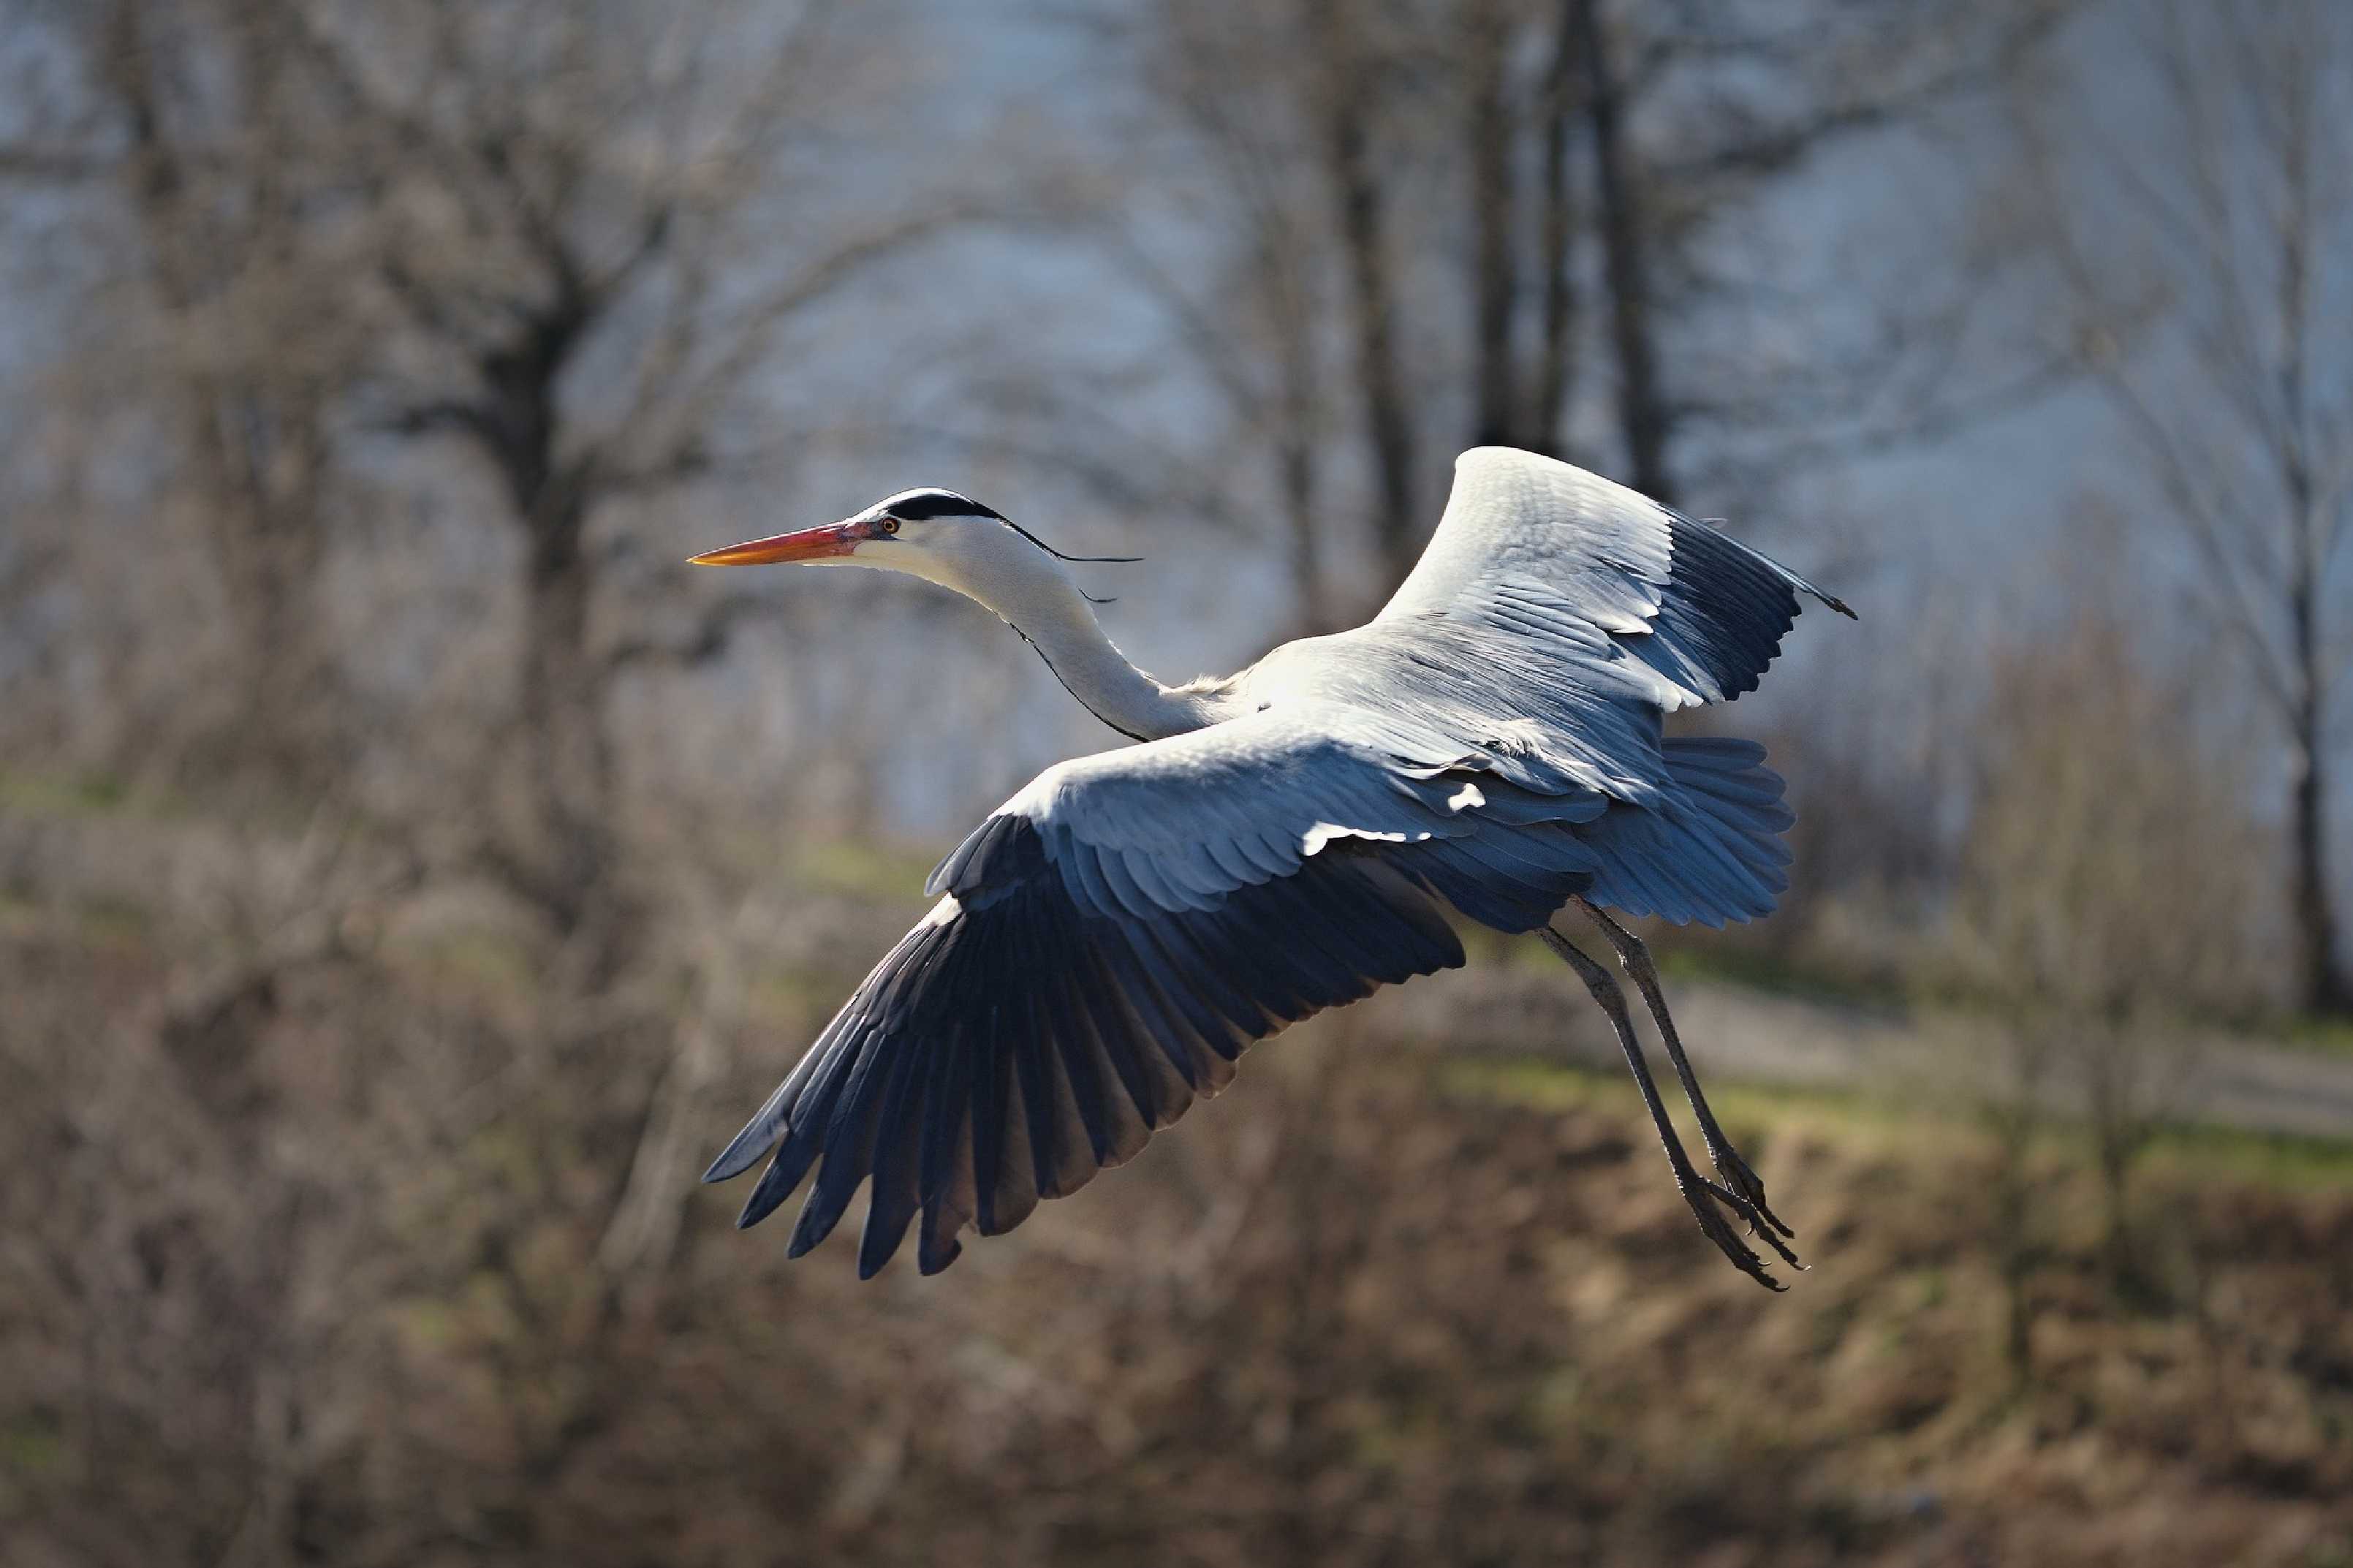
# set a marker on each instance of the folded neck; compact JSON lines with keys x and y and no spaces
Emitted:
{"x":1033,"y":593}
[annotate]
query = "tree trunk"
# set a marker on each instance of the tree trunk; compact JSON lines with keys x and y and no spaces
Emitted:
{"x":1641,"y":408}
{"x":270,"y":552}
{"x":567,"y":758}
{"x":570,"y":865}
{"x":1556,"y":261}
{"x":1295,"y":457}
{"x":254,"y":421}
{"x":1356,"y":192}
{"x":1487,"y":46}
{"x":2117,"y":1098}
{"x":1299,"y":395}
{"x":2323,"y":985}
{"x":2013,"y":1199}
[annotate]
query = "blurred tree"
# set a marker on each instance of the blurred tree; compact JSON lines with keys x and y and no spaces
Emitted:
{"x":2205,"y":295}
{"x":570,"y":241}
{"x":210,"y":141}
{"x":1257,"y":328}
{"x":1697,"y":116}
{"x":1366,"y":153}
{"x":1516,"y":404}
{"x":2014,"y":1118}
{"x":571,"y":204}
{"x":1545,"y":427}
{"x":1489,"y":143}
{"x":2107,"y":894}
{"x":1352,"y":75}
{"x":1643,"y":420}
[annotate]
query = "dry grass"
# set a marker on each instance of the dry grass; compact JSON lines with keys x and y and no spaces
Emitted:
{"x":323,"y":1281}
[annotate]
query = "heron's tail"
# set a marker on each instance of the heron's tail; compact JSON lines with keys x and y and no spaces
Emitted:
{"x":1710,"y":852}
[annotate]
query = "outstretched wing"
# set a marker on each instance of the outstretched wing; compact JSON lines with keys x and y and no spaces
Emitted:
{"x":1107,"y":943}
{"x":1547,"y":555}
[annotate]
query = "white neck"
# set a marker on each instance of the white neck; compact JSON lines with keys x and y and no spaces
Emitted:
{"x":1032,"y":593}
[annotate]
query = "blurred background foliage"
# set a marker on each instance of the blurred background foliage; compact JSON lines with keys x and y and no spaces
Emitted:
{"x":409,"y":873}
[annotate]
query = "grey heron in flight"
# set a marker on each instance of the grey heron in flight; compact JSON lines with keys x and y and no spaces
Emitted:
{"x":1288,"y":839}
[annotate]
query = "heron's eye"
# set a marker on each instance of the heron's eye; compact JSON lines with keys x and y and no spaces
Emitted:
{"x":889,"y":525}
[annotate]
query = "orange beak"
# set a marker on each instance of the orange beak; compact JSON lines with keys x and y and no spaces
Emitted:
{"x":835,"y":539}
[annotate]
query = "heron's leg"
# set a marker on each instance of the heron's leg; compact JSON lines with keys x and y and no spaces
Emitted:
{"x":1636,"y":957}
{"x":1695,"y":1188}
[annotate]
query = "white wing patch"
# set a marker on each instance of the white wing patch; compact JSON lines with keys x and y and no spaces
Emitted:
{"x":1322,"y":833}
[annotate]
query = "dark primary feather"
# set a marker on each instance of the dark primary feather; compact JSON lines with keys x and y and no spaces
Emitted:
{"x":1012,"y":1046}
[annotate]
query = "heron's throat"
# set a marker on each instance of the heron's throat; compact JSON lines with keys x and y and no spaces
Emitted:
{"x":1034,"y":594}
{"x":1072,"y":643}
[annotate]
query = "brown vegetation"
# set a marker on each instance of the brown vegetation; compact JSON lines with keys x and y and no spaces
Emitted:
{"x":333,"y":1274}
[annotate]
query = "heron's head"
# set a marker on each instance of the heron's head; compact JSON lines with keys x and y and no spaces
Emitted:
{"x":939,"y":536}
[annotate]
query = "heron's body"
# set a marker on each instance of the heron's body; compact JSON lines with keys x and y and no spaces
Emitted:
{"x":1288,"y":839}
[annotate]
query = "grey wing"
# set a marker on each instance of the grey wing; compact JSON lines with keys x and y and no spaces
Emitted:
{"x":1546,"y":556}
{"x":1553,"y":621}
{"x":1107,"y":943}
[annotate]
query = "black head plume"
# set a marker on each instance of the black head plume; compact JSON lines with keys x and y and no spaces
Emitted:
{"x":922,"y":506}
{"x":1099,"y":560}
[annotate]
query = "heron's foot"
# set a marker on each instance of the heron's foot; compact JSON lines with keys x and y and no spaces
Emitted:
{"x":1750,"y":1188}
{"x":1698,"y":1191}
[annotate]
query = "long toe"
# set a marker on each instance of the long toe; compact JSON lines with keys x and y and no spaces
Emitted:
{"x":1739,"y":1204}
{"x":1711,"y":1225}
{"x":1741,"y":1179}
